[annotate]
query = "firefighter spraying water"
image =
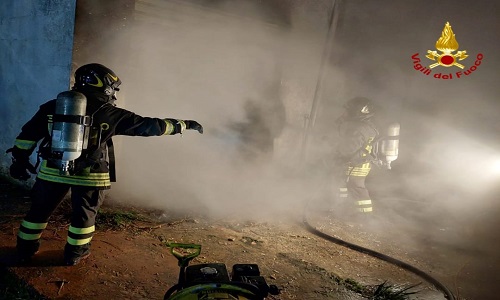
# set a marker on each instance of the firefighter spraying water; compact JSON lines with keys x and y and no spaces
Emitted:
{"x":76,"y":131}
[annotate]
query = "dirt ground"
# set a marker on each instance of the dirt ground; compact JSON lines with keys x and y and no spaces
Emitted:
{"x":130,"y":260}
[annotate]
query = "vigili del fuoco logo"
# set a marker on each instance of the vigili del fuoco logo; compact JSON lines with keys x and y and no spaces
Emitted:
{"x":445,"y":56}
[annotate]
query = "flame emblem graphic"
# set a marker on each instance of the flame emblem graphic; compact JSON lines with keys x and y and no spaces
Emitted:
{"x":446,"y":44}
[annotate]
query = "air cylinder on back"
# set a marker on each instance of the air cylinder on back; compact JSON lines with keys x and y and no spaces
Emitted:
{"x":390,"y":144}
{"x":68,"y":129}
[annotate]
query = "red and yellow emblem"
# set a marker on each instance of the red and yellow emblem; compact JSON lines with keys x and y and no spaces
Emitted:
{"x":447,"y":44}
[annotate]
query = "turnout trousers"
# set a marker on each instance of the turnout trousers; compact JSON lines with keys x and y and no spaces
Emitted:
{"x":46,"y":197}
{"x":354,"y":191}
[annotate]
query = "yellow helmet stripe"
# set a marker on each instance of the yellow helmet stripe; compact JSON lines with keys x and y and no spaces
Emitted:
{"x":99,"y":82}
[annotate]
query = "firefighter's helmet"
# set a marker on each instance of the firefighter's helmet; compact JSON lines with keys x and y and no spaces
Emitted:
{"x":97,"y":77}
{"x":359,"y":107}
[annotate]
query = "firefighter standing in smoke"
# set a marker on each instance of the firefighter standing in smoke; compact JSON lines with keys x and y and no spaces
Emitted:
{"x":87,"y":173}
{"x":354,"y":154}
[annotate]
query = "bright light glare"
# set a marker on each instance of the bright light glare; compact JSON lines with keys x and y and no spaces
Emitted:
{"x":496,"y":167}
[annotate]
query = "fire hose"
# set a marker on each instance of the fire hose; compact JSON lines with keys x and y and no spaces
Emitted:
{"x":379,"y":255}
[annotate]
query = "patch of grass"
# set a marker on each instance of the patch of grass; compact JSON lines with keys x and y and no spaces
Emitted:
{"x":13,"y":288}
{"x":117,"y":219}
{"x":385,"y":291}
{"x":353,"y":285}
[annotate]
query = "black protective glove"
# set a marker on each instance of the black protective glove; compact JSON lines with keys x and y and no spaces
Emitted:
{"x":193,"y":125}
{"x":20,"y":164}
{"x":19,"y":171}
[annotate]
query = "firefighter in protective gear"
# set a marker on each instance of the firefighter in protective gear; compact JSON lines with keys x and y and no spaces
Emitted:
{"x":354,"y":154}
{"x":93,"y":169}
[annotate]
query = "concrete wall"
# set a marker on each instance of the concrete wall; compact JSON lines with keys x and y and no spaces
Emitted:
{"x":36,"y":44}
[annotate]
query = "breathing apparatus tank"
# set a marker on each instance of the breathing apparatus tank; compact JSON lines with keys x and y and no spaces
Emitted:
{"x":390,"y":144}
{"x":69,"y":130}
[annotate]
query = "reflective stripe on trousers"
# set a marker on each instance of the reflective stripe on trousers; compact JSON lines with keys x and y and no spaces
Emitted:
{"x":364,"y":206}
{"x":80,"y":236}
{"x":357,"y":193}
{"x":46,"y":196}
{"x":30,"y":231}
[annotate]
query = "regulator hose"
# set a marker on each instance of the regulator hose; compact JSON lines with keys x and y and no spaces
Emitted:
{"x":379,"y":255}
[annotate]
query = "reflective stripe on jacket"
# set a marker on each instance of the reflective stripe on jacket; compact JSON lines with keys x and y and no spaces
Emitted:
{"x":107,"y":121}
{"x":90,"y":179}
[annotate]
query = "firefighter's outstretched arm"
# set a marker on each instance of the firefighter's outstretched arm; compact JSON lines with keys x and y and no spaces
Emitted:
{"x":178,"y":126}
{"x":132,"y":124}
{"x":193,"y":125}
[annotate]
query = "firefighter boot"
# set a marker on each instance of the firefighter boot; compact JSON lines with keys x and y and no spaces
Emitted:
{"x":73,"y":255}
{"x":26,"y":249}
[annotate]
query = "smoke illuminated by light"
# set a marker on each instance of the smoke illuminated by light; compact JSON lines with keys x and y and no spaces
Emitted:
{"x":496,"y":166}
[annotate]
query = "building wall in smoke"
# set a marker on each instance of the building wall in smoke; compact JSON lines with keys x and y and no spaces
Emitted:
{"x":281,"y":42}
{"x":241,"y":68}
{"x":35,"y":60}
{"x":100,"y":37}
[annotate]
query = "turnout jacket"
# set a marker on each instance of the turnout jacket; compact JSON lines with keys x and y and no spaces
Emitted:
{"x":92,"y":167}
{"x":355,"y":146}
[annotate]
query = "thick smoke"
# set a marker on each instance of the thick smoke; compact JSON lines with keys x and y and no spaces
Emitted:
{"x":249,"y":72}
{"x":223,"y":66}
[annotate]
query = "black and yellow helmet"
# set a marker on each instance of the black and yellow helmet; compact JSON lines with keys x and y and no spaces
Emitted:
{"x":97,"y":77}
{"x":360,"y":108}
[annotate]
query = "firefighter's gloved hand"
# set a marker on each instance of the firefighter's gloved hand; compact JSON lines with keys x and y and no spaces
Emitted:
{"x":378,"y":163}
{"x":19,"y":171}
{"x":193,"y":125}
{"x":21,"y":166}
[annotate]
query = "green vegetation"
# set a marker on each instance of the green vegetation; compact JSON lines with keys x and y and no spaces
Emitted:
{"x":383,"y":291}
{"x":117,"y":219}
{"x":386,"y":291}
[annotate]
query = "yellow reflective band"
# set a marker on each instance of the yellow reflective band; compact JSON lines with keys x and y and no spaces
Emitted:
{"x":367,"y":209}
{"x":364,"y":202}
{"x":356,"y":171}
{"x":54,"y":171}
{"x":24,"y":144}
{"x":183,"y":125}
{"x":170,"y":127}
{"x":78,"y":242}
{"x":360,"y":169}
{"x":97,"y":176}
{"x":92,"y":179}
{"x":29,"y":236}
{"x":81,"y":230}
{"x":343,"y":189}
{"x":30,"y":225}
{"x":358,"y":174}
{"x":73,"y":181}
{"x":343,"y":195}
